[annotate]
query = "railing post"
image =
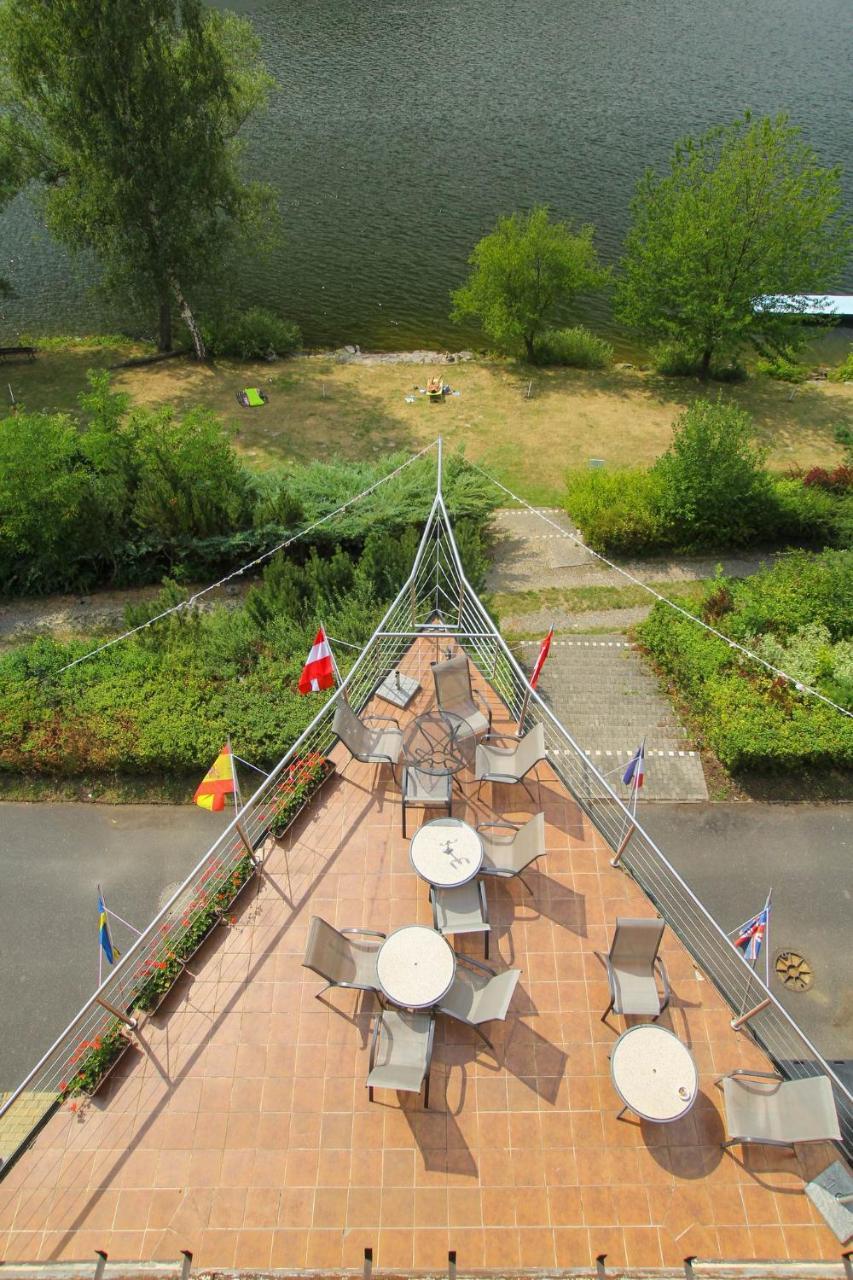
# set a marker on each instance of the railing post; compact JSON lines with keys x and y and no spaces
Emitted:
{"x":117,"y":1013}
{"x":242,"y":833}
{"x":737,"y":1023}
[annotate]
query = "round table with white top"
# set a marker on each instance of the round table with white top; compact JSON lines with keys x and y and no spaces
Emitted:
{"x":415,"y":966}
{"x":446,"y":852}
{"x":654,"y":1073}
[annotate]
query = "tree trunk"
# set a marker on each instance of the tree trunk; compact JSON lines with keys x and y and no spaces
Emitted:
{"x":705,"y":366}
{"x":164,"y":342}
{"x":531,"y":353}
{"x":190,"y":321}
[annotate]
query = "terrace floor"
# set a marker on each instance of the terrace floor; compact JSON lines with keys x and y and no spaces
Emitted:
{"x":239,"y":1127}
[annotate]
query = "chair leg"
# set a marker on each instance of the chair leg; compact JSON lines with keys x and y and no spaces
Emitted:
{"x":426,"y":1093}
{"x":486,"y":937}
{"x":370,"y":1093}
{"x":404,"y":819}
{"x":607,"y":1010}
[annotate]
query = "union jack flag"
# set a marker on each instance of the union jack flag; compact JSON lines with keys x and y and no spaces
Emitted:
{"x":751,"y":935}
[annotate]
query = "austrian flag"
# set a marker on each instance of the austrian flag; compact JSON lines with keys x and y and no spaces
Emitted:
{"x":544,"y":649}
{"x":319,"y":670}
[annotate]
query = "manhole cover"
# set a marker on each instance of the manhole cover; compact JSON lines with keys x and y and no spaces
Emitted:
{"x":794,"y":971}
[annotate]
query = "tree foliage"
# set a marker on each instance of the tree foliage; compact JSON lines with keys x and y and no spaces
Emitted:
{"x":524,"y":275}
{"x":744,"y":211}
{"x":128,"y":113}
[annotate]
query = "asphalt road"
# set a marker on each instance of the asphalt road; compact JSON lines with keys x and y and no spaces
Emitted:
{"x":731,"y":854}
{"x":52,"y":857}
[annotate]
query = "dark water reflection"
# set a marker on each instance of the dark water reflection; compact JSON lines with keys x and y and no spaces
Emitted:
{"x":401,"y":130}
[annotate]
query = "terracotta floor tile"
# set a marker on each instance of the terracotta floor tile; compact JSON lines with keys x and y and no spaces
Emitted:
{"x":396,"y":1249}
{"x":572,"y":1247}
{"x":431,"y":1246}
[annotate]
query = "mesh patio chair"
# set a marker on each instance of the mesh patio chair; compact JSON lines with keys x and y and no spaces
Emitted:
{"x":511,"y":763}
{"x":631,"y":964}
{"x":479,"y":995}
{"x":344,"y":957}
{"x":401,"y":1052}
{"x":454,"y":692}
{"x":365,"y":743}
{"x":461,"y":910}
{"x":508,"y":855}
{"x":426,"y":790}
{"x":763,"y":1107}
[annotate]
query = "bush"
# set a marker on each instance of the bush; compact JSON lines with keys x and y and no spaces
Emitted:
{"x":713,"y":488}
{"x":255,"y":334}
{"x":796,"y":515}
{"x":840,"y":480}
{"x":618,"y":511}
{"x":797,"y":616}
{"x":782,"y":368}
{"x":576,"y":347}
{"x":675,"y":360}
{"x":844,"y":371}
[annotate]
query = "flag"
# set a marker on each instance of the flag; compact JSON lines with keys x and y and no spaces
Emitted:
{"x":751,"y":934}
{"x":540,"y":661}
{"x":319,"y":670}
{"x":106,"y":941}
{"x":217,"y":783}
{"x":636,"y":771}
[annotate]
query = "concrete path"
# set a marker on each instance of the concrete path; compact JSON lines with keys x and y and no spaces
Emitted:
{"x":51,"y":860}
{"x":731,"y":854}
{"x":600,"y":689}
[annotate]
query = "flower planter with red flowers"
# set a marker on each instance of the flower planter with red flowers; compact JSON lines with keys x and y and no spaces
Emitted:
{"x":301,"y":781}
{"x":93,"y":1061}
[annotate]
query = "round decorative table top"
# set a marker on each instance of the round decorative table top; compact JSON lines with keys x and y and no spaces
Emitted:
{"x":654,"y":1073}
{"x":446,"y":852}
{"x":430,"y":743}
{"x":415,"y":966}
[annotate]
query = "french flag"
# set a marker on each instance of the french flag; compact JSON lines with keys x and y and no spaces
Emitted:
{"x":636,"y":771}
{"x":319,"y":670}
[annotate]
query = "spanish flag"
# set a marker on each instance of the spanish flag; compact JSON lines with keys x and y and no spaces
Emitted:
{"x":218,"y":782}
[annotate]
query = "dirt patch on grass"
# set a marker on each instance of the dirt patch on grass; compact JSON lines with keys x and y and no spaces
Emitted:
{"x":318,"y":406}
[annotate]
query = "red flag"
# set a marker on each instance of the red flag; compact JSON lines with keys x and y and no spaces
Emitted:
{"x":319,"y":670}
{"x":540,"y":661}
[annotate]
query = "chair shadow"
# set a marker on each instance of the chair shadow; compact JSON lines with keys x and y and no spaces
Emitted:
{"x":689,"y":1148}
{"x":534,"y":1061}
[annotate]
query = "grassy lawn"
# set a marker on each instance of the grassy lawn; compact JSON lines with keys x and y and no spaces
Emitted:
{"x":591,"y":599}
{"x":318,"y":407}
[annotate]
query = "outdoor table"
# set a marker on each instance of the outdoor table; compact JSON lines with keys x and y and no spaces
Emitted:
{"x":446,"y":852}
{"x":430,"y":743}
{"x":415,"y":966}
{"x":653,"y":1073}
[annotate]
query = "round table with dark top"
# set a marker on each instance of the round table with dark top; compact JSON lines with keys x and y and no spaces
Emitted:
{"x":431,"y":743}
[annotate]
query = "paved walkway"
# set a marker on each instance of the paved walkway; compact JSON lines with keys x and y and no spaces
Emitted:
{"x":601,"y":690}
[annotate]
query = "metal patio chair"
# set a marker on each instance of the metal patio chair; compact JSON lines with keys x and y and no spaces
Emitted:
{"x":365,"y":743}
{"x":631,"y":964}
{"x":454,"y":693}
{"x":426,"y":791}
{"x":508,"y":855}
{"x":761,"y":1106}
{"x":479,"y":995}
{"x":401,"y":1052}
{"x":511,"y":763}
{"x":461,"y":910}
{"x":344,"y":957}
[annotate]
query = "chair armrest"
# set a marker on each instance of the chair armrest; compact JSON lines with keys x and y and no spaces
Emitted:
{"x":478,"y":700}
{"x":384,"y":719}
{"x":500,"y":737}
{"x":746,"y":1071}
{"x":506,"y":825}
{"x":475,"y":964}
{"x":481,"y":885}
{"x":370,"y":933}
{"x":434,"y":905}
{"x":430,"y":1041}
{"x":664,"y":977}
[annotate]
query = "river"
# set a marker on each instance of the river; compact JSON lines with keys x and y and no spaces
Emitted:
{"x":399,"y":131}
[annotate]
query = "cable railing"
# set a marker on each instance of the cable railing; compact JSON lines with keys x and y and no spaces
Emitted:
{"x":436,"y":600}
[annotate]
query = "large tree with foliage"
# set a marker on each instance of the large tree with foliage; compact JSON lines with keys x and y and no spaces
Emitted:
{"x":128,"y":112}
{"x":744,"y":211}
{"x":524,"y":275}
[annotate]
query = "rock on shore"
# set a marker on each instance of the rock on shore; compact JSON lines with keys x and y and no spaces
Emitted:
{"x":352,"y":354}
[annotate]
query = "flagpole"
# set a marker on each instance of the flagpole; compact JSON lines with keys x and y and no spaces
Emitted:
{"x":237,"y":801}
{"x":767,"y":939}
{"x":100,"y":947}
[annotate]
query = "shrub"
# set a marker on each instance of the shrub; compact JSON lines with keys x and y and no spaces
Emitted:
{"x":844,"y":371}
{"x":674,"y":360}
{"x":618,"y":511}
{"x":713,"y":488}
{"x":796,"y":515}
{"x":782,"y":368}
{"x":255,"y":334}
{"x":837,"y":481}
{"x":576,"y":347}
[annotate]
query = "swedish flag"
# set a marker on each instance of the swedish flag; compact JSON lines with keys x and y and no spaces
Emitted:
{"x":110,"y":951}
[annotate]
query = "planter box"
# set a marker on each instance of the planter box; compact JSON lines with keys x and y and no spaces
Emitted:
{"x":93,"y":1089}
{"x":329,"y":769}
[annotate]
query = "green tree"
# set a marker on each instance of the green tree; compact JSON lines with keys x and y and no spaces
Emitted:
{"x":128,"y":112}
{"x":524,"y":275}
{"x":713,"y":488}
{"x":744,"y":211}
